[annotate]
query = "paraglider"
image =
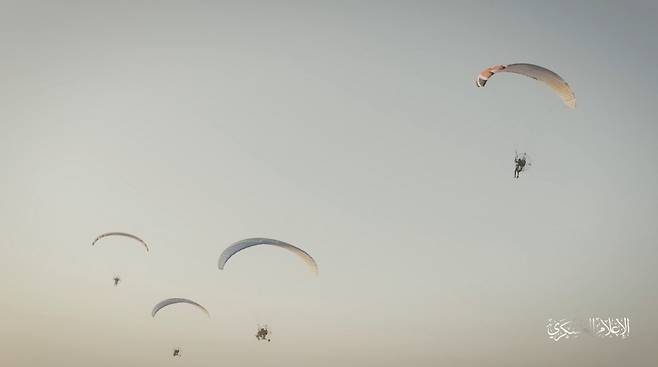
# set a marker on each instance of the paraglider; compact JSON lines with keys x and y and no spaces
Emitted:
{"x":249,"y":242}
{"x":263,"y":333}
{"x":521,"y":164}
{"x":121,"y":234}
{"x":550,"y":78}
{"x":116,"y":278}
{"x":171,"y":301}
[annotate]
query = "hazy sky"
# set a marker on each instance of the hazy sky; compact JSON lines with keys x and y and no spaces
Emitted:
{"x":352,"y":129}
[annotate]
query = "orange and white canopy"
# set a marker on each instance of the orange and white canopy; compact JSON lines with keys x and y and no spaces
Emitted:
{"x":550,"y":78}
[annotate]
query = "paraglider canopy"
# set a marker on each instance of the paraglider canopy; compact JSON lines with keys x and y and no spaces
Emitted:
{"x":123,"y":234}
{"x":249,"y":242}
{"x":171,"y":301}
{"x":548,"y":77}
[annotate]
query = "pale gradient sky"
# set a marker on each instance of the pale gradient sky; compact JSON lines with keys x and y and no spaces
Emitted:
{"x":352,"y":129}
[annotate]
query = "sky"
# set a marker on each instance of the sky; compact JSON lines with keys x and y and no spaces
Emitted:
{"x":352,"y":129}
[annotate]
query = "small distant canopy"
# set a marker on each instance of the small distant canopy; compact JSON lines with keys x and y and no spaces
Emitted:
{"x":249,"y":242}
{"x":554,"y":81}
{"x":123,"y":234}
{"x":171,"y":301}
